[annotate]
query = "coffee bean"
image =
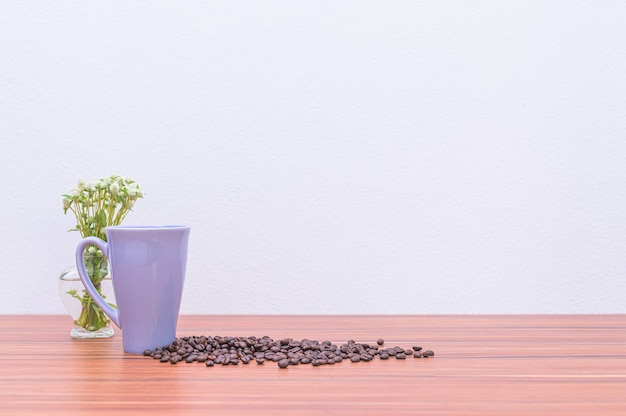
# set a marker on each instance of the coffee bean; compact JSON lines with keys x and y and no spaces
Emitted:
{"x":285,"y":352}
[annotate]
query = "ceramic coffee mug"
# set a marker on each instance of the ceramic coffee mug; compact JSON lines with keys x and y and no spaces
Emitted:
{"x":147,"y":265}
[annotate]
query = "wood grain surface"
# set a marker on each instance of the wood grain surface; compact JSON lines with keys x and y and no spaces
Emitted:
{"x":483,"y":365}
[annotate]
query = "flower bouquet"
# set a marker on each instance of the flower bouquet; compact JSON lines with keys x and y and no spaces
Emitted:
{"x":97,"y":205}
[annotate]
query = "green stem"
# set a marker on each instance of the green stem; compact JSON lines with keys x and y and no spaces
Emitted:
{"x":92,"y":317}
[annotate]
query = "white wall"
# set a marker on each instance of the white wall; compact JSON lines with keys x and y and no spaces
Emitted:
{"x":330,"y":156}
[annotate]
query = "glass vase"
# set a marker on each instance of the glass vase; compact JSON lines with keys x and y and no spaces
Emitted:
{"x":89,"y":320}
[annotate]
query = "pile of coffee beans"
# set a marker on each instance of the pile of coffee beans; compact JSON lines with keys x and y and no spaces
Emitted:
{"x":220,"y":350}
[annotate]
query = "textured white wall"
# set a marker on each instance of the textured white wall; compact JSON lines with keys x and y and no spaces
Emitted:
{"x":330,"y":156}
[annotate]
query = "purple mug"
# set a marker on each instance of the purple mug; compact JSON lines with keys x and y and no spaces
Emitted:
{"x":147,"y":265}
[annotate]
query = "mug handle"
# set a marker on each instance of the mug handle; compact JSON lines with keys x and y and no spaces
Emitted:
{"x":82,"y":272}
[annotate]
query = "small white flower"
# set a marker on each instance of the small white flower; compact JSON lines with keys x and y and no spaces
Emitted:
{"x":133,"y":190}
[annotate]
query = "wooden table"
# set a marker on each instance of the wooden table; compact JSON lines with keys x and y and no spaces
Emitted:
{"x":483,"y":365}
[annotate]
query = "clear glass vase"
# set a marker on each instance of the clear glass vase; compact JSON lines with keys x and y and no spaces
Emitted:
{"x":76,"y":301}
